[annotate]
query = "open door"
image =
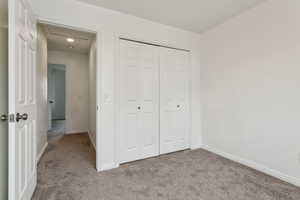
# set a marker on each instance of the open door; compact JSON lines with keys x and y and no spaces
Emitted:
{"x":22,"y":100}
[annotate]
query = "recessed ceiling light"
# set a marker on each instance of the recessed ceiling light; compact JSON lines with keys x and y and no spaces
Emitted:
{"x":71,"y":40}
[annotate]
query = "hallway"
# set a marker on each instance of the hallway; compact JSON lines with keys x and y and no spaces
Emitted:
{"x":57,"y":131}
{"x":62,"y":167}
{"x":67,"y":172}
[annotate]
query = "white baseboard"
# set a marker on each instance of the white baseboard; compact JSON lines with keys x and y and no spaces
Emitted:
{"x":195,"y":146}
{"x":108,"y":166}
{"x":76,"y":132}
{"x":254,"y":165}
{"x":92,"y":141}
{"x":41,"y":153}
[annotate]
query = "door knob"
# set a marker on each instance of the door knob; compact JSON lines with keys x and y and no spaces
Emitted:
{"x":139,"y":107}
{"x":178,"y":106}
{"x":21,"y":117}
{"x":4,"y":118}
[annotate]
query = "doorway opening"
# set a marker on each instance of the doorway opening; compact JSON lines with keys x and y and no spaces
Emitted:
{"x":66,"y":79}
{"x":56,"y":100}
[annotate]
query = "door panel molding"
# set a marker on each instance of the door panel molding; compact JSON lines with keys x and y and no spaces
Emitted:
{"x":22,"y":100}
{"x":183,"y":100}
{"x":138,"y":100}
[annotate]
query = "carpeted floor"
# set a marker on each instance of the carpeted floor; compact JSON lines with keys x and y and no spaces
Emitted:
{"x":67,"y":172}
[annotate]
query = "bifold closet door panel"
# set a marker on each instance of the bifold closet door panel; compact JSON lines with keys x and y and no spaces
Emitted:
{"x":138,"y":101}
{"x":149,"y":98}
{"x":174,"y":100}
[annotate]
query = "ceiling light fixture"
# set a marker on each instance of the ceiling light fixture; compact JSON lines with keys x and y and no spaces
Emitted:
{"x":71,"y":40}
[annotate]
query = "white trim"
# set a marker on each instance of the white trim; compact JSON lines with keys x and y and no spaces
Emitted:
{"x":43,"y":20}
{"x":189,"y":109}
{"x":73,"y":132}
{"x":39,"y":156}
{"x":254,"y":165}
{"x":117,"y":104}
{"x":197,"y":146}
{"x":92,"y":141}
{"x":99,"y":47}
{"x":99,"y":60}
{"x":108,"y":166}
{"x":33,"y":182}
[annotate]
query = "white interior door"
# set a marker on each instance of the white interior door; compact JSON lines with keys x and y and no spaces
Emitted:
{"x":22,"y":100}
{"x":174,"y":100}
{"x":139,"y":106}
{"x":50,"y":95}
{"x":56,"y":91}
{"x":149,"y":101}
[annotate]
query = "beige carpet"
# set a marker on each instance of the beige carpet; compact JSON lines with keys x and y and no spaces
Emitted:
{"x":67,"y":172}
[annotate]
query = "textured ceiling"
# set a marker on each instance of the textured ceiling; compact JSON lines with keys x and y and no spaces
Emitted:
{"x":193,"y":15}
{"x":56,"y":37}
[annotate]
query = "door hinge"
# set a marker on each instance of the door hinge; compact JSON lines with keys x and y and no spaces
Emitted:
{"x":11,"y":118}
{"x":7,"y":118}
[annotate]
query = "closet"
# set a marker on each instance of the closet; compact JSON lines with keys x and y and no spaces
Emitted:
{"x":154,"y":100}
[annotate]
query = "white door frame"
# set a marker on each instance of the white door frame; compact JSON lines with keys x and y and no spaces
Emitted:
{"x":98,"y":76}
{"x":117,"y":89}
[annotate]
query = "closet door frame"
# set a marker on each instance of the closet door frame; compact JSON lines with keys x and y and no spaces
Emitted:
{"x":117,"y":69}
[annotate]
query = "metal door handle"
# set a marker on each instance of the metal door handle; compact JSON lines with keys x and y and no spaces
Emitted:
{"x":139,"y":107}
{"x":21,"y":117}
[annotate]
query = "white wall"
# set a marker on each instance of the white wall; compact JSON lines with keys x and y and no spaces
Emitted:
{"x":3,"y":98}
{"x":111,"y":25}
{"x":77,"y":92}
{"x":250,"y":69}
{"x":41,"y":95}
{"x":92,"y":93}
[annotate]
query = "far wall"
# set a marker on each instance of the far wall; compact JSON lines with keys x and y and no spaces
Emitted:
{"x":3,"y":100}
{"x":77,"y":88}
{"x":250,"y":77}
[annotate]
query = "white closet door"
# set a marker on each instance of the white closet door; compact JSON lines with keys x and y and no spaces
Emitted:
{"x":174,"y":100}
{"x":149,"y":98}
{"x":138,"y":101}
